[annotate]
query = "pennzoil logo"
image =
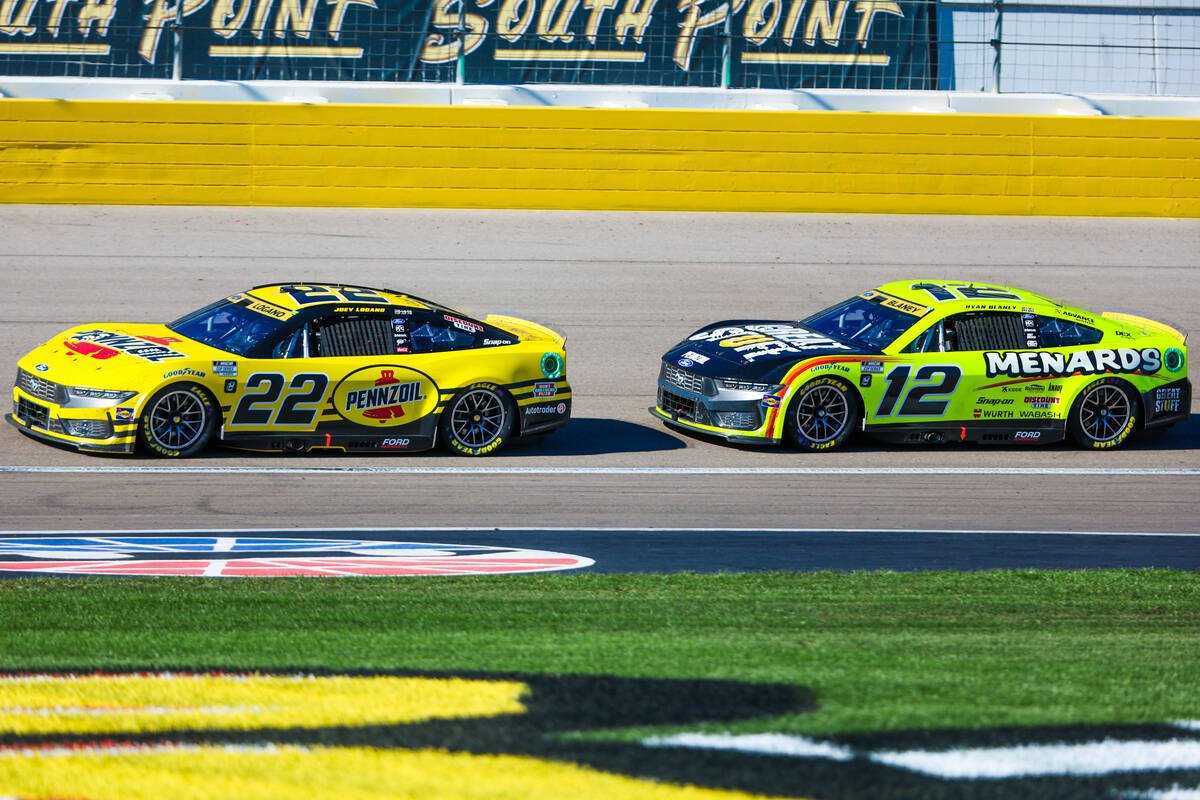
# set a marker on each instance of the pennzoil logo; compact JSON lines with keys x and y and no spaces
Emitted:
{"x":385,"y":396}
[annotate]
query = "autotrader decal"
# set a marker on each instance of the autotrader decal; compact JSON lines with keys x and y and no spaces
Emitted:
{"x":217,"y":556}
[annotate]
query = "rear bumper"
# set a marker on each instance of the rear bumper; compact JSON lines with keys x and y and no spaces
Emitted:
{"x":1167,"y":404}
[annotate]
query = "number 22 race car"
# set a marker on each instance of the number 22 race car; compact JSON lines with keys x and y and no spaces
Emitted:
{"x":296,"y":367}
{"x":930,"y":361}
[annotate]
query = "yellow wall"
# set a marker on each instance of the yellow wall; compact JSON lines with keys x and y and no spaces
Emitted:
{"x":469,"y":157}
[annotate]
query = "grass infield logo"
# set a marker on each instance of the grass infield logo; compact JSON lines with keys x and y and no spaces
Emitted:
{"x":246,"y":556}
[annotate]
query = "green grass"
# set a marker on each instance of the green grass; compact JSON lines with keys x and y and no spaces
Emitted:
{"x":881,"y":651}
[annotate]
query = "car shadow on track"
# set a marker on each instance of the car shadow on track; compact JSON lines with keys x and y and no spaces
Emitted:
{"x":592,"y":436}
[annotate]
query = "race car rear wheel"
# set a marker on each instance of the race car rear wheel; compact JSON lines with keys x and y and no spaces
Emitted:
{"x":178,"y":421}
{"x":1104,"y":415}
{"x":477,"y":421}
{"x":822,"y":415}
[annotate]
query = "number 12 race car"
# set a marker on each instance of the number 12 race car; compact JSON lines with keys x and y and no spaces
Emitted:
{"x":296,"y":367}
{"x":930,"y":361}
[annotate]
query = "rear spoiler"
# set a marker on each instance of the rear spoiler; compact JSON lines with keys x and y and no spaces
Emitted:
{"x":1139,"y":320}
{"x":525,"y":329}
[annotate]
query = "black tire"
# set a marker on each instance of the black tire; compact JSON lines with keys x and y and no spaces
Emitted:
{"x":178,"y":421}
{"x":478,"y":421}
{"x":822,"y":415}
{"x":1104,"y":415}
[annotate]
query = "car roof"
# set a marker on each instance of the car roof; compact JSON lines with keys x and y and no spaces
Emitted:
{"x":276,"y":294}
{"x":952,"y":300}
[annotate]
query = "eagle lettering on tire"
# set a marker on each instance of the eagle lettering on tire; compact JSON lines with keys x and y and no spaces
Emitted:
{"x":477,"y":421}
{"x":178,"y":421}
{"x":822,"y":415}
{"x":1104,"y":415}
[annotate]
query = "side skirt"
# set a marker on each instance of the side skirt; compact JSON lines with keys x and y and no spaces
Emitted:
{"x":1034,"y":431}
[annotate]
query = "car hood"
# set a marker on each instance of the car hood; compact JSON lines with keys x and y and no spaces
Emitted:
{"x":754,"y":349}
{"x":107,"y":354}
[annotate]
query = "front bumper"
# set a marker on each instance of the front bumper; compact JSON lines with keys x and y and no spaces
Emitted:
{"x":95,"y":430}
{"x":694,"y":402}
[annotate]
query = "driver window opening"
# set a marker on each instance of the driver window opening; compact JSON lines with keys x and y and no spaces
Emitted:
{"x":294,"y":346}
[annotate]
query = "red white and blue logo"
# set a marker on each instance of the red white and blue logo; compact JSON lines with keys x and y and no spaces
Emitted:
{"x":249,"y":556}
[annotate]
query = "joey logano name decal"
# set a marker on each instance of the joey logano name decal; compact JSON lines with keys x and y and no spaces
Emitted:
{"x":385,"y":396}
{"x":243,"y":556}
{"x":102,"y":344}
{"x":756,"y":341}
{"x":1086,"y":362}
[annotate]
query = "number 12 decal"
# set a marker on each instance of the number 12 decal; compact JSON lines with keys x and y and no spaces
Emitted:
{"x":923,"y":397}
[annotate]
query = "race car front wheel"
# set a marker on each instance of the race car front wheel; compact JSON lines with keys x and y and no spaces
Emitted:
{"x":822,"y":415}
{"x":1103,"y":416}
{"x":477,"y":421}
{"x":178,"y":421}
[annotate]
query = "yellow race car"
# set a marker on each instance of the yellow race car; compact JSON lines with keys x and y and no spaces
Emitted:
{"x":296,"y":367}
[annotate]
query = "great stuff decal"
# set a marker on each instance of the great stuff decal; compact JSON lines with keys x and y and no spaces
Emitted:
{"x":755,"y":341}
{"x":1085,"y":362}
{"x":384,"y":396}
{"x":104,"y":344}
{"x":242,"y":556}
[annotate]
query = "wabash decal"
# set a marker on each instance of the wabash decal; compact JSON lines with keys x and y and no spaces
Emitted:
{"x":385,"y":396}
{"x":1084,"y":362}
{"x":106,"y":344}
{"x":230,"y":557}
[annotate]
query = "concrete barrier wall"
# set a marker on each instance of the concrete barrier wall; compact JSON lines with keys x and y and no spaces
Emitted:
{"x":184,"y":153}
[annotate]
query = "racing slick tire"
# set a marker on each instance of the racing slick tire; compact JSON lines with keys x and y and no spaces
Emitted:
{"x":1104,"y":415}
{"x":478,"y":421}
{"x":178,"y":421}
{"x":822,"y":415}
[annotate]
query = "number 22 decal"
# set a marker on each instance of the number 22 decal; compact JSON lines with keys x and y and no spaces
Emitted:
{"x":923,"y":397}
{"x":299,"y":406}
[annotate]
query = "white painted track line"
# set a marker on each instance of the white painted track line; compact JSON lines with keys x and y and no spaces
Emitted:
{"x":482,"y":470}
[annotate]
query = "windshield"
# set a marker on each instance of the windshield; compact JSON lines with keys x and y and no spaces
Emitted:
{"x":866,"y":323}
{"x":226,"y":326}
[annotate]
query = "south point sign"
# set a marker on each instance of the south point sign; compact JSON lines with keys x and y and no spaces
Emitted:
{"x":772,"y":43}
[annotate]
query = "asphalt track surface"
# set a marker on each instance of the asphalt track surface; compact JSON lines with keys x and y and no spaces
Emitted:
{"x":623,"y":287}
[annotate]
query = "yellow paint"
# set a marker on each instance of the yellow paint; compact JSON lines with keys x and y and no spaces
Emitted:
{"x":111,"y":704}
{"x":570,"y":158}
{"x":287,"y":772}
